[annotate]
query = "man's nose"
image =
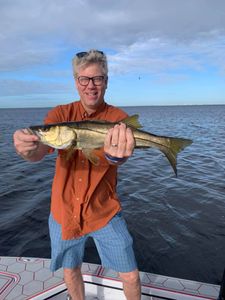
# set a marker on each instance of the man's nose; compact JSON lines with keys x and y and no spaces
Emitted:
{"x":91,"y":83}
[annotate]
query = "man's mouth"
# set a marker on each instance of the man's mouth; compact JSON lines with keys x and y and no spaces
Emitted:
{"x":92,"y":94}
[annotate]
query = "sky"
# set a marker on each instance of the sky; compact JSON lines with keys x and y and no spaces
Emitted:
{"x":160,"y":52}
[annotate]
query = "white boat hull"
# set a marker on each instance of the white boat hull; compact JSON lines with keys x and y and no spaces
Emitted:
{"x":30,"y":278}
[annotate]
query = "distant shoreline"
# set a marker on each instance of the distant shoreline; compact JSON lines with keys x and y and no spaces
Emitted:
{"x":172,"y":105}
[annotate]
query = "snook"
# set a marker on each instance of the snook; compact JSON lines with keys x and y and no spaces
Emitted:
{"x":89,"y":135}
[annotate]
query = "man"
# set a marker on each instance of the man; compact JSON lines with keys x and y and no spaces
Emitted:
{"x":84,"y":201}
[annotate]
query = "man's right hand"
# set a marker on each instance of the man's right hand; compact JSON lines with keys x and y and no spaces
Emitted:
{"x":27,"y":145}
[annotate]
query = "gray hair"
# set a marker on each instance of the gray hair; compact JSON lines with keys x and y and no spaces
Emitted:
{"x":84,"y":59}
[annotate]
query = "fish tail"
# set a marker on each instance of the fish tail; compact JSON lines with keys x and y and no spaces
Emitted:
{"x":169,"y":146}
{"x":175,"y":146}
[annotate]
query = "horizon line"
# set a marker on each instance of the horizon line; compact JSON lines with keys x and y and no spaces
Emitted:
{"x":152,"y":105}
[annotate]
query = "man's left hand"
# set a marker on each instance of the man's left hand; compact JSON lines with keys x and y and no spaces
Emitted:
{"x":119,"y":141}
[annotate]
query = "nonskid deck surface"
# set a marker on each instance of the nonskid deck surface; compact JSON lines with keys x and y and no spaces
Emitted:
{"x":30,"y":278}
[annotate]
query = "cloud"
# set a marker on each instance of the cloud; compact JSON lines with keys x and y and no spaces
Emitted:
{"x":13,"y":87}
{"x":36,"y":32}
{"x":168,"y":40}
{"x":158,"y":55}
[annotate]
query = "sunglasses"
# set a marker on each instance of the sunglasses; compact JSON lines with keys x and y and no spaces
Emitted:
{"x":84,"y":53}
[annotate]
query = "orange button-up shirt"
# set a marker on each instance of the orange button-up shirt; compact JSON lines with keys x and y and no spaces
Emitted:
{"x":84,"y":196}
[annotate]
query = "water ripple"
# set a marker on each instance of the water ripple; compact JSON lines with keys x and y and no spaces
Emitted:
{"x":178,"y":224}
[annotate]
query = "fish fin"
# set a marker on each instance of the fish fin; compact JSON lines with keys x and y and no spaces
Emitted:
{"x":132,"y":121}
{"x":170,"y":150}
{"x":67,"y":153}
{"x":89,"y":154}
{"x":176,"y":145}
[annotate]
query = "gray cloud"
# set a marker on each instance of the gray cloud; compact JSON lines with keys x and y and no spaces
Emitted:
{"x":75,"y":19}
{"x":13,"y":87}
{"x":167,"y":34}
{"x":157,"y":55}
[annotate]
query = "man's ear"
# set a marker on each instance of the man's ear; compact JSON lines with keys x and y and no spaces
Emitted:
{"x":76,"y":82}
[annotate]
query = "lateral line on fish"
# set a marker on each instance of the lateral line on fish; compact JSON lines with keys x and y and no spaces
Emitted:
{"x":89,"y":134}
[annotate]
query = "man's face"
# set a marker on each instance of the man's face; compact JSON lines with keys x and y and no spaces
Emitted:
{"x":91,"y":95}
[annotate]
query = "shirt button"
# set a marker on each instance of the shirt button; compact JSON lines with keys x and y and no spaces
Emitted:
{"x":80,"y":179}
{"x":75,"y":217}
{"x":77,"y":199}
{"x":82,"y":161}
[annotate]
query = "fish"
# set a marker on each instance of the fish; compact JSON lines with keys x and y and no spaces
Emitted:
{"x":90,"y":135}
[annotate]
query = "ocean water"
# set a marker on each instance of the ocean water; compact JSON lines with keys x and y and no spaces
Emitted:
{"x":178,"y":224}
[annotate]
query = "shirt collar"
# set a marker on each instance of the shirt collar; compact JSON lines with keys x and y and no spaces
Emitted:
{"x":85,"y":115}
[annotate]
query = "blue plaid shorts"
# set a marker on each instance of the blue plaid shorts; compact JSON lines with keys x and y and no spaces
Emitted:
{"x":113,"y":242}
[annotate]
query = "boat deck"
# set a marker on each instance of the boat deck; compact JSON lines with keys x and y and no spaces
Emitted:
{"x":30,"y":278}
